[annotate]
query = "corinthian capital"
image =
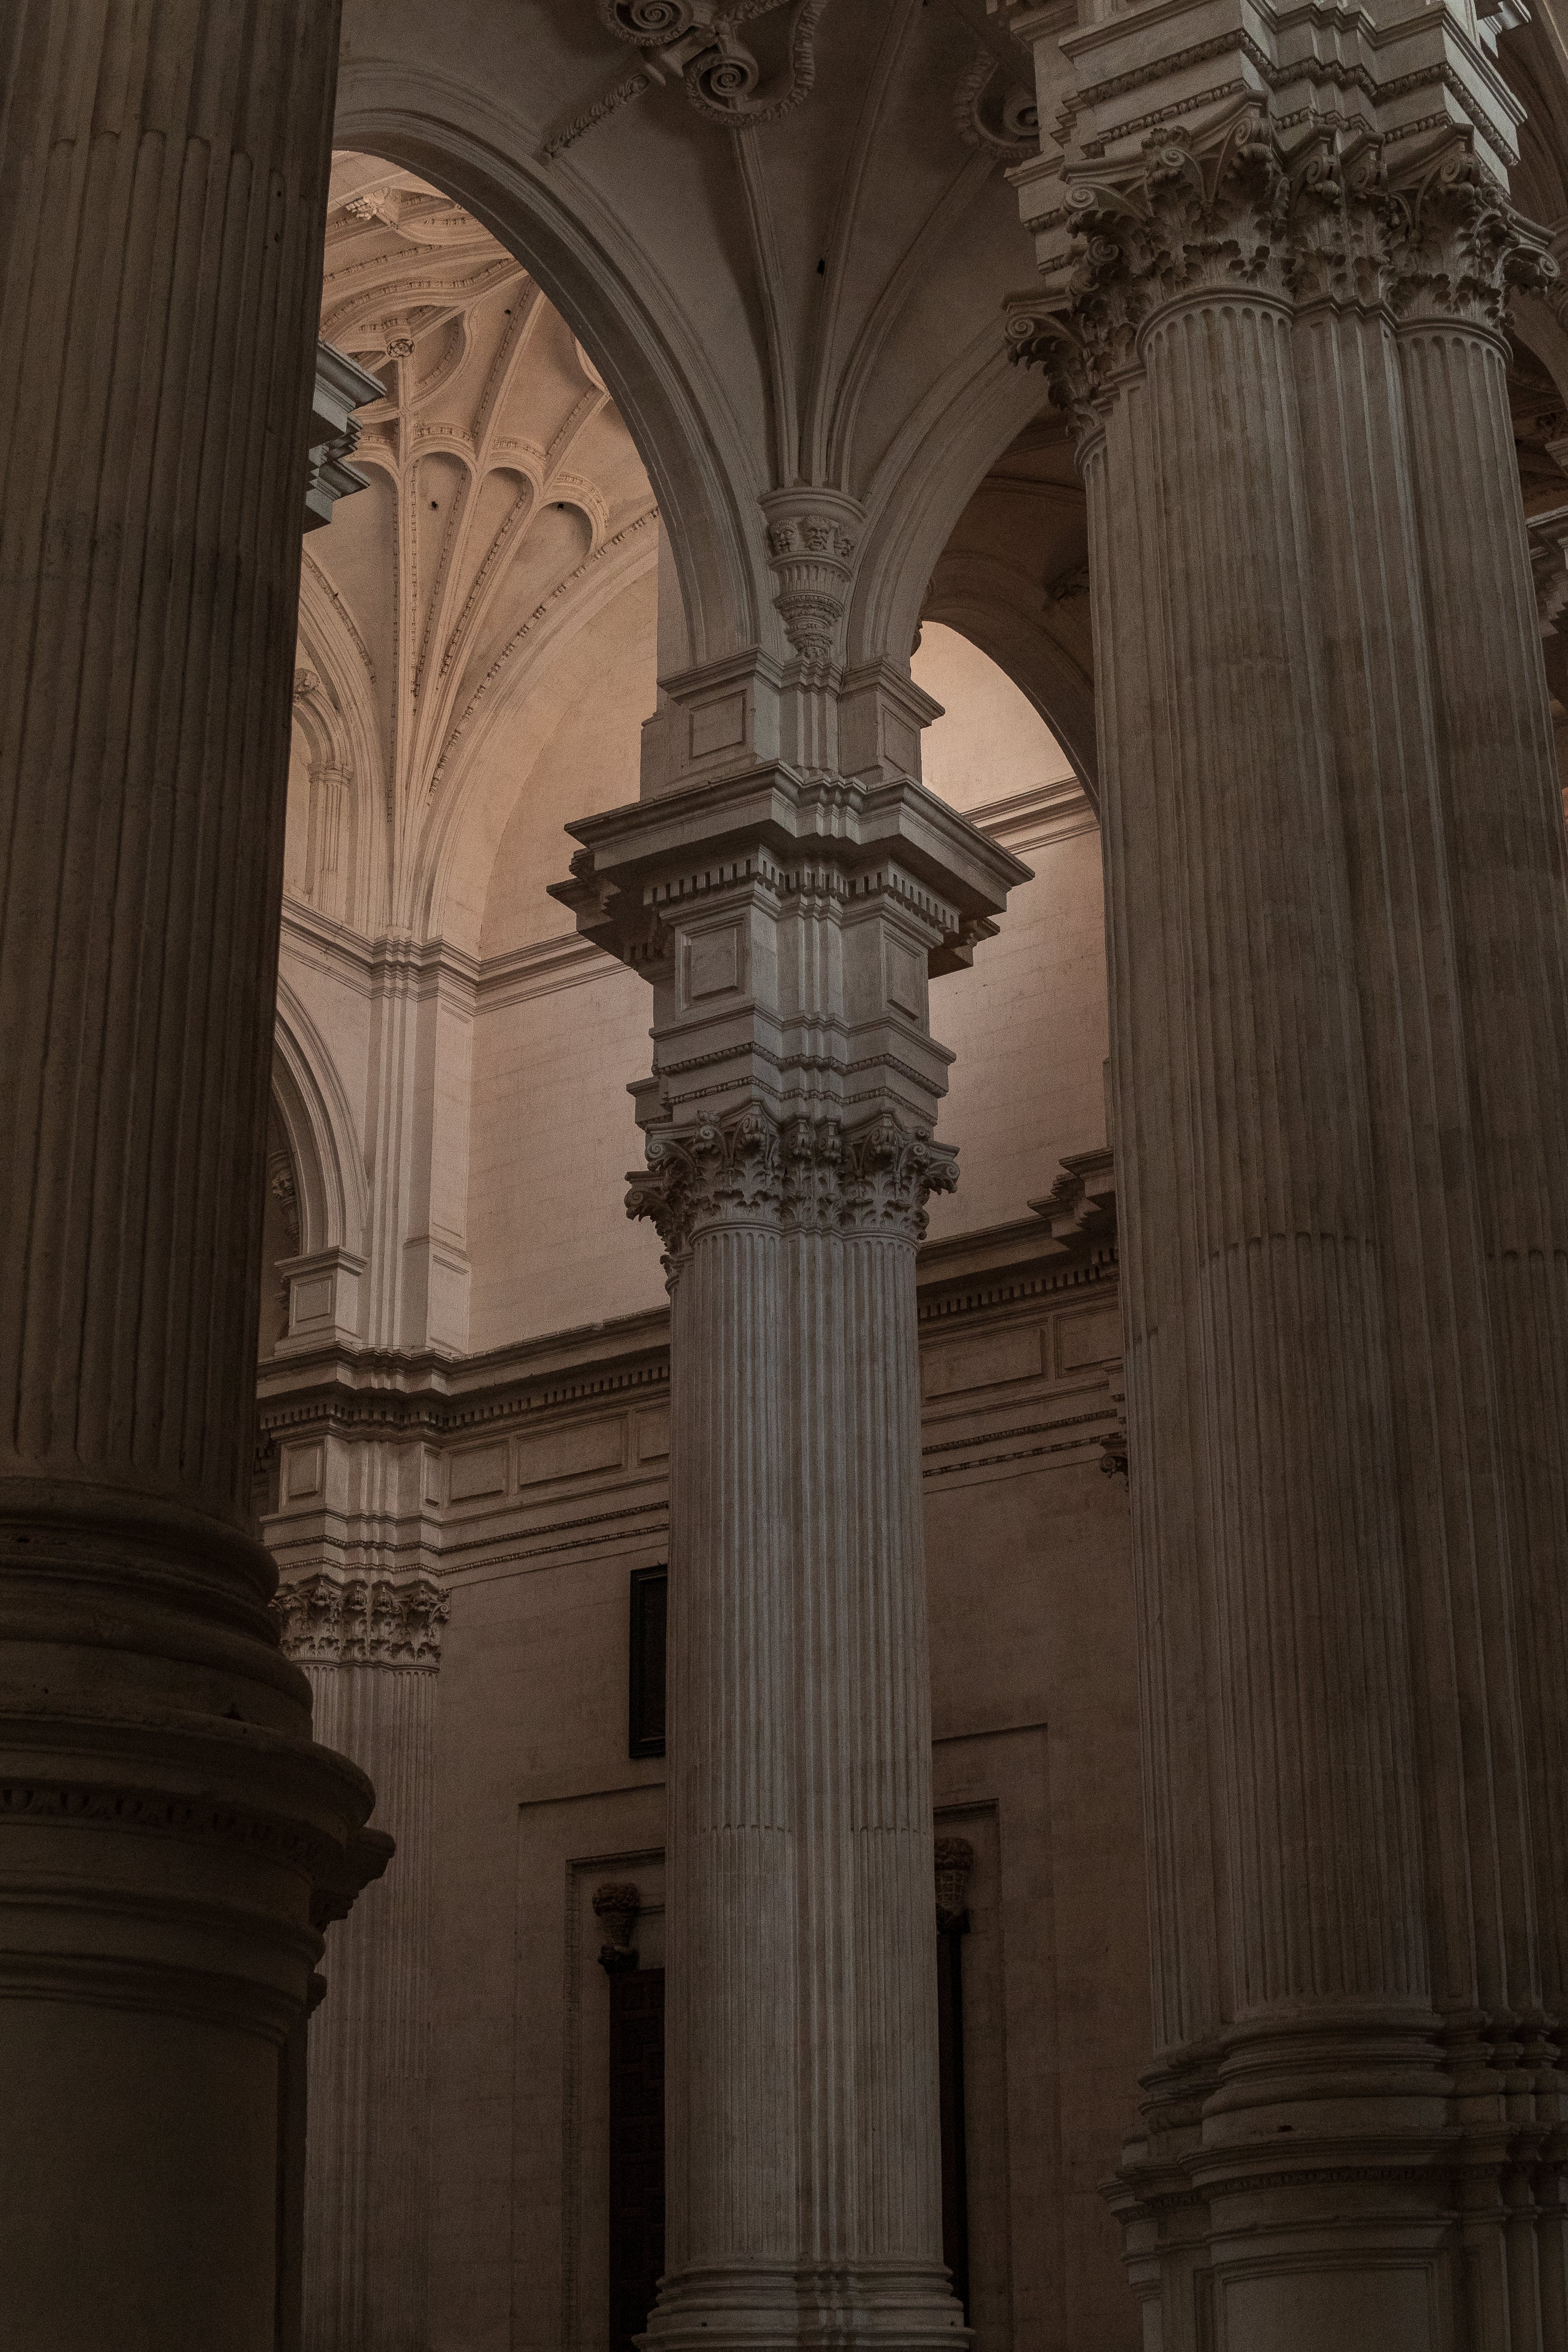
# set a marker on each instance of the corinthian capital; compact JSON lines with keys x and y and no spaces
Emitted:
{"x":810,"y":1177}
{"x":1460,"y":247}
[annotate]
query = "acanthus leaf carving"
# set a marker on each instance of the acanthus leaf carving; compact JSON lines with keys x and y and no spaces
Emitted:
{"x":1460,"y":246}
{"x":813,"y":1176}
{"x":328,"y":1619}
{"x":1233,"y":207}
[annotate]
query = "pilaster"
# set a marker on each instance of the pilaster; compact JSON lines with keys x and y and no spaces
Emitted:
{"x":369,"y":1646}
{"x":415,"y":1289}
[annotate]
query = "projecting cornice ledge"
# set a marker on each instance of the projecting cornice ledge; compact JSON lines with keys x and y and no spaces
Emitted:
{"x":341,"y":387}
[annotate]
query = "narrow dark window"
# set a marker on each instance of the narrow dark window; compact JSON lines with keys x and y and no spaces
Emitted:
{"x":636,"y":2149}
{"x":650,"y":1588}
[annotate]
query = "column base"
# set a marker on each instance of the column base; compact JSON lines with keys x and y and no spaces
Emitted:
{"x":171,"y":1841}
{"x":1307,"y":2208}
{"x":808,"y":2307}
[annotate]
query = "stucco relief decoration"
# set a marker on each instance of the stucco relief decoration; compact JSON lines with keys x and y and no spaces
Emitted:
{"x":955,"y":1860}
{"x":616,"y":1908}
{"x":811,"y":556}
{"x":703,"y":46}
{"x":329,"y":1619}
{"x":512,"y":501}
{"x":812,"y":1176}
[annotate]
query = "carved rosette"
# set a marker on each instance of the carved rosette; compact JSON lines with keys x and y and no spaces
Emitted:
{"x":325,"y":1619}
{"x":1235,"y":208}
{"x":810,"y":1176}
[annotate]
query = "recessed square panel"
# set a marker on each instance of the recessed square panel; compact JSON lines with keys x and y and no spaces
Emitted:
{"x":713,"y":963}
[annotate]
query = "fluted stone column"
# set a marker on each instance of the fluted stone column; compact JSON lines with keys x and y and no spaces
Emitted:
{"x":788,"y":924}
{"x":1338,"y":932}
{"x":165,"y":1817}
{"x":371,"y":1649}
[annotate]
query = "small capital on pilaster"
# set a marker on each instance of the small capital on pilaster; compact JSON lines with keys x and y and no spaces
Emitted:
{"x":325,"y":1618}
{"x":954,"y":1858}
{"x":615,"y":1907}
{"x":812,"y":538}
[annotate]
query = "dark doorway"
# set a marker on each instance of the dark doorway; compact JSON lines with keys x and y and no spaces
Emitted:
{"x":954,"y":2159}
{"x":637,"y":2137}
{"x":637,"y":2150}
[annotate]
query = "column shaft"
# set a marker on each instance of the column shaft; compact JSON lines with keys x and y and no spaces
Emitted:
{"x":1335,"y":910}
{"x":790,"y":1156}
{"x":162,"y":180}
{"x":367,"y":2183}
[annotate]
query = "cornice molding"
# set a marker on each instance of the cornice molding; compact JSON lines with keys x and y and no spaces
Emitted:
{"x":383,"y":1393}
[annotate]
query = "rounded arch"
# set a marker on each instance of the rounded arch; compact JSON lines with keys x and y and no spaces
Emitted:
{"x":318,"y":1124}
{"x":931,"y":469}
{"x":1049,"y":657}
{"x":453,"y":135}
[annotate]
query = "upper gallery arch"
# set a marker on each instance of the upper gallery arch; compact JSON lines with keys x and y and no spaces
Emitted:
{"x":506,"y":502}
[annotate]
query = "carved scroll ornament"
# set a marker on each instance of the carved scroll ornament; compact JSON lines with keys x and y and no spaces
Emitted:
{"x":702,"y":44}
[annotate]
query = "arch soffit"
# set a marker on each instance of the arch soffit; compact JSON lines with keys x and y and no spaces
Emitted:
{"x":929,"y":473}
{"x":465,"y":822}
{"x":1048,"y":673}
{"x":455,"y":137}
{"x":318,"y":1120}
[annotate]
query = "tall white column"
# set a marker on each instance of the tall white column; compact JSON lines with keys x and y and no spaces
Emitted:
{"x":166,"y":1818}
{"x":788,"y":925}
{"x":1337,"y":930}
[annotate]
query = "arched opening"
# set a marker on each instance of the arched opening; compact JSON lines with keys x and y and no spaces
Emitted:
{"x":480,"y":650}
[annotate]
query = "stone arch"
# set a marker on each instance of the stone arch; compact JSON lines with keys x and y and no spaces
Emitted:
{"x":318,"y":1124}
{"x":455,"y":137}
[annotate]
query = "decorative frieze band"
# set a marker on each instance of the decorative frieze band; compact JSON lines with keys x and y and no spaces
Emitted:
{"x":804,"y":1176}
{"x":383,"y":1621}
